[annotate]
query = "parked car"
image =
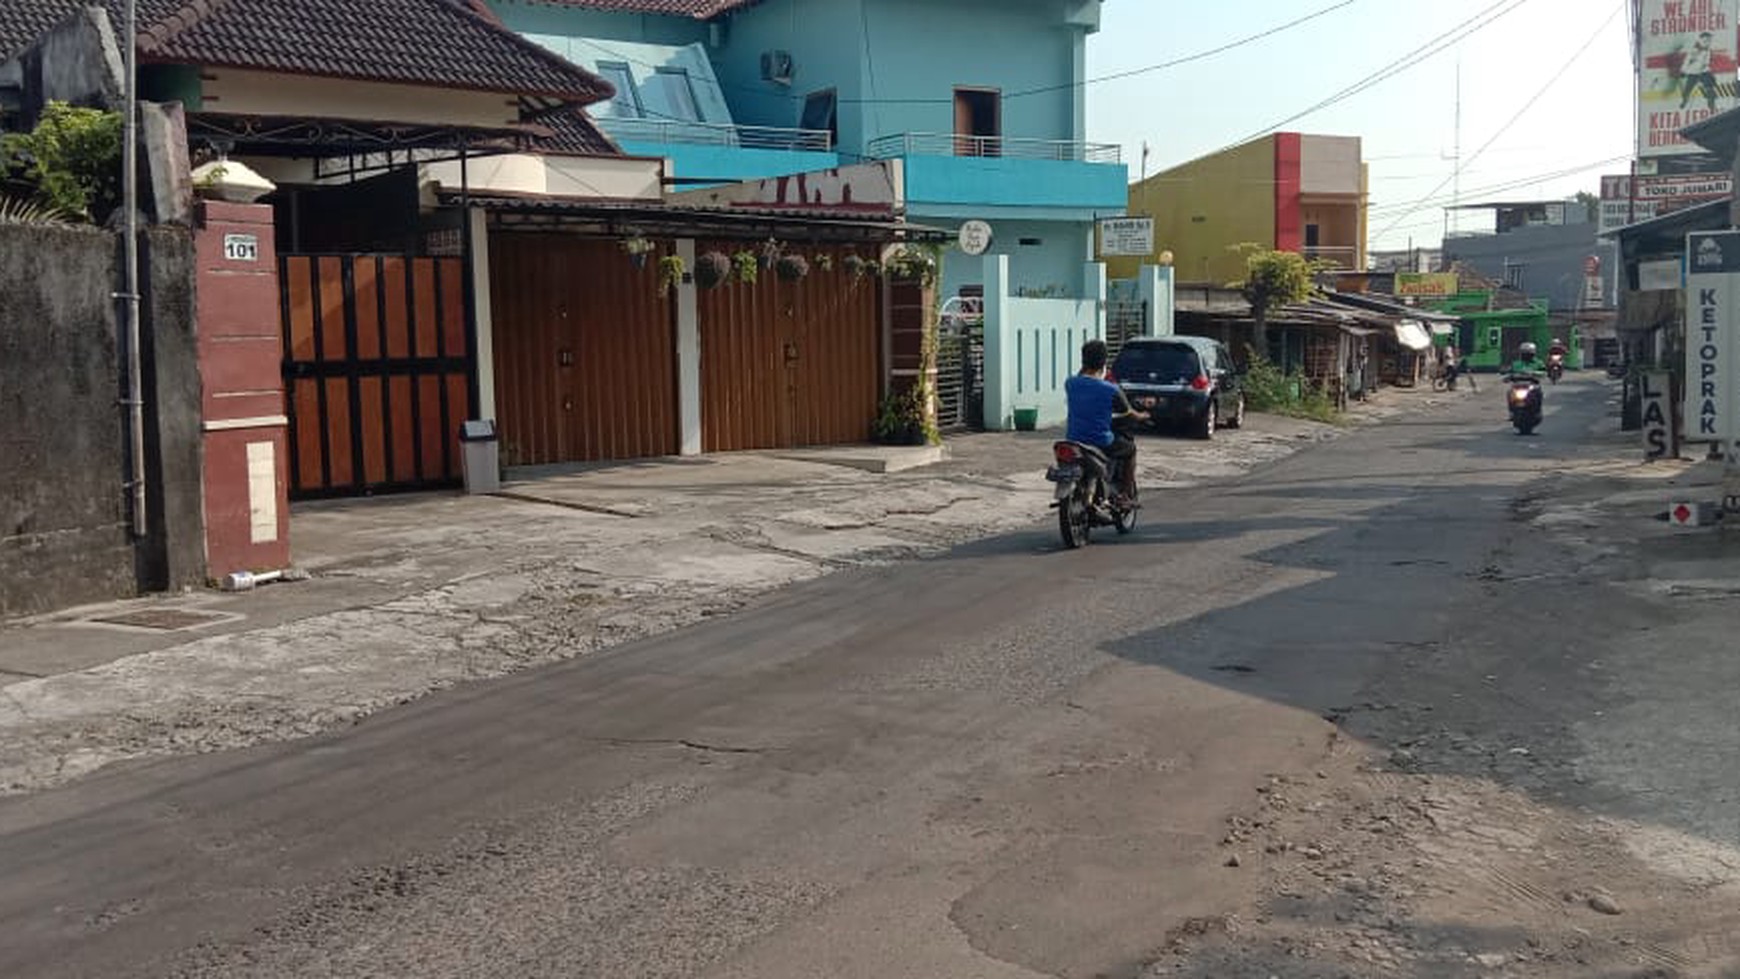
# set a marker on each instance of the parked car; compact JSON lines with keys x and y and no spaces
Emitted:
{"x":1187,"y":381}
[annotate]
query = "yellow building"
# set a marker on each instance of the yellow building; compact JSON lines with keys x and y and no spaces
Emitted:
{"x":1287,"y":191}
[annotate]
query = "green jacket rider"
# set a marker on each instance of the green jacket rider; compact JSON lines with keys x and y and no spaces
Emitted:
{"x":1527,"y":360}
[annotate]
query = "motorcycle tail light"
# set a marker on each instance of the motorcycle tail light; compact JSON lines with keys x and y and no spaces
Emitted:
{"x":1200,"y":384}
{"x":1066,"y":454}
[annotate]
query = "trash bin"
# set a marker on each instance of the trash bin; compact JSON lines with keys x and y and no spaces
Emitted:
{"x":1026,"y":419}
{"x":480,"y":456}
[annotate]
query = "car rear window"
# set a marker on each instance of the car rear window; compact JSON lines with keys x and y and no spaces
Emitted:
{"x":1167,"y":362}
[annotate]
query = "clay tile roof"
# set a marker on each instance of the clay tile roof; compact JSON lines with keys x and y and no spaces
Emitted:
{"x":698,"y":9}
{"x":573,"y":131}
{"x":439,"y":43}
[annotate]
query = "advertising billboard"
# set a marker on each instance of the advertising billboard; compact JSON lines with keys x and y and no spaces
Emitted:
{"x":1712,"y":324}
{"x":1686,"y":70}
{"x":1427,"y":285}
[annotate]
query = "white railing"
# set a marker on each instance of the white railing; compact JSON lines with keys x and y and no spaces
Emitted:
{"x":956,"y":144}
{"x":676,"y":131}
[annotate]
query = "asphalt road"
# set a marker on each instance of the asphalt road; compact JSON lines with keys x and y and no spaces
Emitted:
{"x":1010,"y":762}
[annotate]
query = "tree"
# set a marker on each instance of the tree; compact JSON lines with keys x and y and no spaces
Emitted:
{"x":1272,"y":279}
{"x":72,"y":160}
{"x":1591,"y":204}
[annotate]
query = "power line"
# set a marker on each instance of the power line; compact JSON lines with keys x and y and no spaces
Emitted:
{"x":1526,"y":106}
{"x":1187,"y":59}
{"x":1042,"y":90}
{"x":1511,"y":184}
{"x":1418,"y":55}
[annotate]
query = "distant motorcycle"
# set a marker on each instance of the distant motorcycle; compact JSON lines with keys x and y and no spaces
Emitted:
{"x":1555,"y":367}
{"x":1525,"y":399}
{"x":1085,"y":476}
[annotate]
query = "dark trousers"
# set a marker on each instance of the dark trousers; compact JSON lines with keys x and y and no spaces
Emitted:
{"x":1122,"y":452}
{"x":1705,"y":83}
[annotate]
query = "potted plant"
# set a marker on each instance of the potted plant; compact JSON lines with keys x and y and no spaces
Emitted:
{"x":902,"y":419}
{"x":768,"y":255}
{"x":712,"y":270}
{"x":825,"y":261}
{"x":671,"y":269}
{"x":747,"y":266}
{"x":639,"y":250}
{"x":859,"y":267}
{"x":792,"y":268}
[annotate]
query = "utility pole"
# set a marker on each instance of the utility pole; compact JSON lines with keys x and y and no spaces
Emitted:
{"x":1456,"y":171}
{"x":130,"y":298}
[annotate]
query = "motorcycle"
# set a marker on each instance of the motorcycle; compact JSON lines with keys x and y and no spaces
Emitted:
{"x":1555,"y":367}
{"x":1084,"y":477}
{"x":1525,"y":400}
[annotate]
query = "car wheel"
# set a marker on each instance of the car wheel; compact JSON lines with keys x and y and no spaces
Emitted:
{"x":1209,"y":421}
{"x":1238,"y":416}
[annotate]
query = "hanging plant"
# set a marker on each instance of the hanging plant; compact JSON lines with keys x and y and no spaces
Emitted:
{"x":746,"y":266}
{"x":791,"y":268}
{"x":712,"y":270}
{"x":856,"y":266}
{"x":915,"y":262}
{"x":639,"y":250}
{"x":769,"y":254}
{"x":825,"y":261}
{"x":671,"y":269}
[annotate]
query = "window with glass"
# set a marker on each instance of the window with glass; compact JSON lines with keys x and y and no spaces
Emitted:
{"x":626,"y":103}
{"x":677,"y":93}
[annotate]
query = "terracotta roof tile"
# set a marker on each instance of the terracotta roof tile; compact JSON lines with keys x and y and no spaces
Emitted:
{"x":698,"y":9}
{"x":441,"y":43}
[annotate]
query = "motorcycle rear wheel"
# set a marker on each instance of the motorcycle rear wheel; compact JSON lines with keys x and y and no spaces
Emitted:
{"x":1074,"y":522}
{"x":1125,"y":520}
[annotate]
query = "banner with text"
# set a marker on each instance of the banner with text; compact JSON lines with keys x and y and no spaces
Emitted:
{"x":1686,"y":70}
{"x":1712,"y":325}
{"x":1427,"y":285}
{"x":1627,"y":200}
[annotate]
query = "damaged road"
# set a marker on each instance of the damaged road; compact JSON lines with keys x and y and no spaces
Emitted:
{"x":419,"y":594}
{"x":1372,"y":710}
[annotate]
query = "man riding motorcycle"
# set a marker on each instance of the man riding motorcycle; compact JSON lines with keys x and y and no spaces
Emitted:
{"x":1556,"y":360}
{"x":1094,"y":403}
{"x":1527,"y":360}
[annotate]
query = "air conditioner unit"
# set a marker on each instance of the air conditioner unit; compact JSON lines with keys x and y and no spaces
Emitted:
{"x":777,"y":67}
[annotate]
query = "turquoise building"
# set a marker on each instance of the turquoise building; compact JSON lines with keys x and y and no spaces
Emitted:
{"x":984,"y":101}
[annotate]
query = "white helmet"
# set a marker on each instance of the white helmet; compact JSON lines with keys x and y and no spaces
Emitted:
{"x":1528,"y":351}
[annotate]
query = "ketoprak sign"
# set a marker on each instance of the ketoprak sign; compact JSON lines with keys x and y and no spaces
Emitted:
{"x":1712,"y":331}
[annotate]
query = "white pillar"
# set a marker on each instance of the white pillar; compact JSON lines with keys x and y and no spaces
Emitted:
{"x":479,"y":271}
{"x":1000,"y":363}
{"x":689,"y":352}
{"x":1097,"y":289}
{"x":1154,"y":286}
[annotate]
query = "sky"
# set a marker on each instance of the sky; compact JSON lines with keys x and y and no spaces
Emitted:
{"x":1553,"y":149}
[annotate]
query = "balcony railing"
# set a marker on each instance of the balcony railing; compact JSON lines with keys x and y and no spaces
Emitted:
{"x":676,"y":131}
{"x":956,"y":144}
{"x":1338,"y":256}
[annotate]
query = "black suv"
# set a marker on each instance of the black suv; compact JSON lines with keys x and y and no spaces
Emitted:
{"x":1190,"y":381}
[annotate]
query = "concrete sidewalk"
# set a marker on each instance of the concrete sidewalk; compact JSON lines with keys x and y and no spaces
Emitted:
{"x":413,"y":594}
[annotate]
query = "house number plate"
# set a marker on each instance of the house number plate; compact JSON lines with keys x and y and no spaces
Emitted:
{"x":241,"y":248}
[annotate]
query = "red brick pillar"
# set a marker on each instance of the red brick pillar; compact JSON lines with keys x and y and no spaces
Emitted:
{"x":247,"y":512}
{"x":912,"y":314}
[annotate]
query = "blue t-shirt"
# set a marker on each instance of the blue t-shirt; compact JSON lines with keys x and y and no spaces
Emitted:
{"x":1091,"y":402}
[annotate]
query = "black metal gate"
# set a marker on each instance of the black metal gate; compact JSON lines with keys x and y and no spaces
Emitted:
{"x":377,"y":372}
{"x":960,"y":380}
{"x":1125,"y":318}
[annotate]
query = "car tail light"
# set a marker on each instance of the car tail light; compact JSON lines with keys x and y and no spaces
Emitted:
{"x":1200,"y":383}
{"x":1112,"y":376}
{"x":1066,"y":453}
